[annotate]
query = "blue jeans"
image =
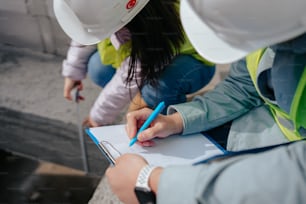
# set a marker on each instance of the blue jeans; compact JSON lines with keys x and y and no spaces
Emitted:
{"x":99,"y":73}
{"x":183,"y":76}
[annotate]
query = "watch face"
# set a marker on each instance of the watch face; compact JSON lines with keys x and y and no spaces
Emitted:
{"x":144,"y":196}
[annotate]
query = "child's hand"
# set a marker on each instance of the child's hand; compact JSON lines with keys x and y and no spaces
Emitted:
{"x":70,"y":84}
{"x":88,"y":122}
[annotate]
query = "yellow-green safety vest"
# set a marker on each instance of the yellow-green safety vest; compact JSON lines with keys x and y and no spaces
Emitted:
{"x":293,"y":125}
{"x":110,"y":56}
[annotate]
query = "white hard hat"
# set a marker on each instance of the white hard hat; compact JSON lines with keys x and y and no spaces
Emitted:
{"x":90,"y":21}
{"x":224,"y":31}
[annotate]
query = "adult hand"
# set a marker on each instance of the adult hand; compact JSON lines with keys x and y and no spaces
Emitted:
{"x":69,"y":84}
{"x":88,"y":122}
{"x":161,"y":127}
{"x":123,"y":176}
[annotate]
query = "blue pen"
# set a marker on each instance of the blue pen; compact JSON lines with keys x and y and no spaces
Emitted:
{"x":146,"y":124}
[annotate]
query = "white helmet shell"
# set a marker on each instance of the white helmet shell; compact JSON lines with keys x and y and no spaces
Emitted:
{"x":224,"y":31}
{"x":90,"y":21}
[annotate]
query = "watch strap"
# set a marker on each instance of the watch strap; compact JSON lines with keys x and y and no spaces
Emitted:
{"x":143,"y":177}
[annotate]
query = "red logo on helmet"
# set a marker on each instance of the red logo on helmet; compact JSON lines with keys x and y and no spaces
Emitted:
{"x":131,"y":4}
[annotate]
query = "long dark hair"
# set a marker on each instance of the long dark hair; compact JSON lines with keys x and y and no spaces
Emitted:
{"x":157,"y":35}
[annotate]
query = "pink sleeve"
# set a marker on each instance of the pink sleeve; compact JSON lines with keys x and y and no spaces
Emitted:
{"x":120,"y":37}
{"x":115,"y":96}
{"x":75,"y":64}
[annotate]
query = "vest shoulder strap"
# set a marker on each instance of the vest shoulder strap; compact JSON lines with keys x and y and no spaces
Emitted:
{"x":252,"y":61}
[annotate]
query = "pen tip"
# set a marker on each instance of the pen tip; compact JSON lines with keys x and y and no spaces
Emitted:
{"x":133,"y":141}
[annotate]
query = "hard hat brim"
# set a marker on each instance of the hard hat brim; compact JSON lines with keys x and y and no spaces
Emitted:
{"x":71,"y":24}
{"x":205,"y":40}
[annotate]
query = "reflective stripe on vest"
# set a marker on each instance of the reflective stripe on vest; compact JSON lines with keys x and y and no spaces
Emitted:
{"x":290,"y":126}
{"x":293,"y":124}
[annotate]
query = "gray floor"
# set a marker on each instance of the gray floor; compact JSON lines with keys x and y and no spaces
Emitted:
{"x":32,"y":83}
{"x":25,"y":181}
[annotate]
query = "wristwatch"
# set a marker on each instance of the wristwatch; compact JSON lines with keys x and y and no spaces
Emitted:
{"x":142,"y":190}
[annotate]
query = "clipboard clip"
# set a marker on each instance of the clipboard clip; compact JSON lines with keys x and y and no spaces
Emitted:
{"x":110,"y":151}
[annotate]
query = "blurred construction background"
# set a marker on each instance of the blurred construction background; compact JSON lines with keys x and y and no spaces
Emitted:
{"x":36,"y":123}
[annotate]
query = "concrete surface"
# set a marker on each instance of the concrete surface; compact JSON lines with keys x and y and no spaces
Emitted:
{"x":25,"y":181}
{"x":31,"y":82}
{"x":31,"y":24}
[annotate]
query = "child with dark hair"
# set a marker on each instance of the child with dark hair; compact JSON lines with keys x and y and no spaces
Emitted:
{"x":150,"y":55}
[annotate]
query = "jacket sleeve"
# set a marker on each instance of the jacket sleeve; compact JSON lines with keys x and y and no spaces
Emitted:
{"x":230,"y":99}
{"x":115,"y":96}
{"x":274,"y":176}
{"x":75,"y":64}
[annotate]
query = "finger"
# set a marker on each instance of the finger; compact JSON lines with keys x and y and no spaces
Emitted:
{"x":89,"y":122}
{"x":68,"y":85}
{"x":81,"y":98}
{"x":67,"y":94}
{"x":148,"y":143}
{"x":86,"y":123}
{"x":131,"y":124}
{"x":146,"y":135}
{"x":155,"y":130}
{"x":80,"y":85}
{"x":67,"y":89}
{"x":135,"y":119}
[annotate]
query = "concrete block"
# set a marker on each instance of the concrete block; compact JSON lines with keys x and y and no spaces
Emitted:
{"x":37,"y":7}
{"x":61,"y":40}
{"x":104,"y":194}
{"x":50,"y":10}
{"x":18,"y":6}
{"x":31,"y":24}
{"x":20,"y":30}
{"x":46,"y":34}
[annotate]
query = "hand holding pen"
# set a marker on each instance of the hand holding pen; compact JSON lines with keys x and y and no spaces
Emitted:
{"x":161,"y":126}
{"x":148,"y":121}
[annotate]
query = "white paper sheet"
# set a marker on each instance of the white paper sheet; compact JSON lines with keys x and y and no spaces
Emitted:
{"x":173,"y":150}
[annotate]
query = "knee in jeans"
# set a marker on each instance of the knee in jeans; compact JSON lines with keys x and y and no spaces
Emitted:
{"x":152,"y":96}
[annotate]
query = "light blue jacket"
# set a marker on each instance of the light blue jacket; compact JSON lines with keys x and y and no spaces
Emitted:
{"x":260,"y":178}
